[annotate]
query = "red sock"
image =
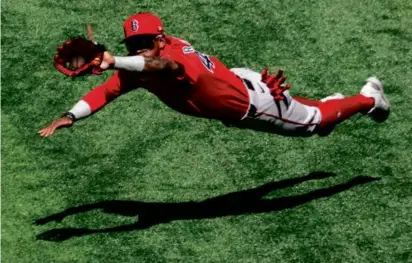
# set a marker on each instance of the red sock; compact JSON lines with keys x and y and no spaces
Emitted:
{"x":336,"y":111}
{"x":308,"y":102}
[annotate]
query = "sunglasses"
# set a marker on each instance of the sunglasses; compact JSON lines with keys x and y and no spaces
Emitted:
{"x":139,"y":43}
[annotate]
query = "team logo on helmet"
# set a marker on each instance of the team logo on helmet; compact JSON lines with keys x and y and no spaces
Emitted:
{"x":135,"y":25}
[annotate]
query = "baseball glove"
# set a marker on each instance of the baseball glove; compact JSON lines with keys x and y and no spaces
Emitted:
{"x":89,"y":52}
{"x":275,"y":83}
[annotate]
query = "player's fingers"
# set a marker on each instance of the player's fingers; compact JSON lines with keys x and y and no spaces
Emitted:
{"x":43,"y":132}
{"x":49,"y":133}
{"x":50,"y":130}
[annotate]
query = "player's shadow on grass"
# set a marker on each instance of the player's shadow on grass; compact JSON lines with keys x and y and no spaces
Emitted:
{"x":236,"y":203}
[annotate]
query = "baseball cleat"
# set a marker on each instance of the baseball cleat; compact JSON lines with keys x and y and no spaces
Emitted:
{"x":374,"y":89}
{"x":335,"y":96}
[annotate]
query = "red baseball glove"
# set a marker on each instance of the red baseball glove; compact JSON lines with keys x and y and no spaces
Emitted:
{"x":87,"y":53}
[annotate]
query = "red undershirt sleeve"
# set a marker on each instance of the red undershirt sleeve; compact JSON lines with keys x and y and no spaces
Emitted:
{"x":103,"y":94}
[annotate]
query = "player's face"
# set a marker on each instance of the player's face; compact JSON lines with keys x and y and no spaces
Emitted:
{"x":145,"y":46}
{"x":158,"y":45}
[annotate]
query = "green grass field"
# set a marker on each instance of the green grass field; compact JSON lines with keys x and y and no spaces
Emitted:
{"x":204,"y":192}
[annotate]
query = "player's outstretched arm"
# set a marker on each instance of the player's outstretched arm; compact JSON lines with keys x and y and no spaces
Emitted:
{"x":140,"y":63}
{"x":82,"y":109}
{"x":92,"y":102}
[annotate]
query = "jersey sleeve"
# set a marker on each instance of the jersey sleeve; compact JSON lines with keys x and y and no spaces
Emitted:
{"x":118,"y":84}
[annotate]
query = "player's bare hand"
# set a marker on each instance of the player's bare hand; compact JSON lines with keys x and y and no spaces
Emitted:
{"x":56,"y":124}
{"x":108,"y":61}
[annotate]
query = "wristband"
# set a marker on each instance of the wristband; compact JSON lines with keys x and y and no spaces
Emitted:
{"x":70,"y":116}
{"x":131,"y":63}
{"x":80,"y":110}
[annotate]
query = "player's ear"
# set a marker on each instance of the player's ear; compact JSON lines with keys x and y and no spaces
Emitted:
{"x":161,"y":40}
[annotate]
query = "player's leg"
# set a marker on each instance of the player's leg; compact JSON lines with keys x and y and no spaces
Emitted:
{"x":329,"y":109}
{"x":371,"y":100}
{"x":316,"y":103}
{"x":286,"y":116}
{"x":295,"y":117}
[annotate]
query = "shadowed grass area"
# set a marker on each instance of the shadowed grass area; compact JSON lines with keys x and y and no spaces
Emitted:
{"x":138,"y":149}
{"x":148,"y":214}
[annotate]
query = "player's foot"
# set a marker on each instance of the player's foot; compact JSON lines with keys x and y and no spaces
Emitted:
{"x":374,"y":89}
{"x":335,"y":96}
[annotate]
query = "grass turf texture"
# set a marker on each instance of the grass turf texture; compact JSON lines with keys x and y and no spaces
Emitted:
{"x":137,"y":149}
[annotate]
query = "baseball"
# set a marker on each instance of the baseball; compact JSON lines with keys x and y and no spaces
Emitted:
{"x":77,"y":62}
